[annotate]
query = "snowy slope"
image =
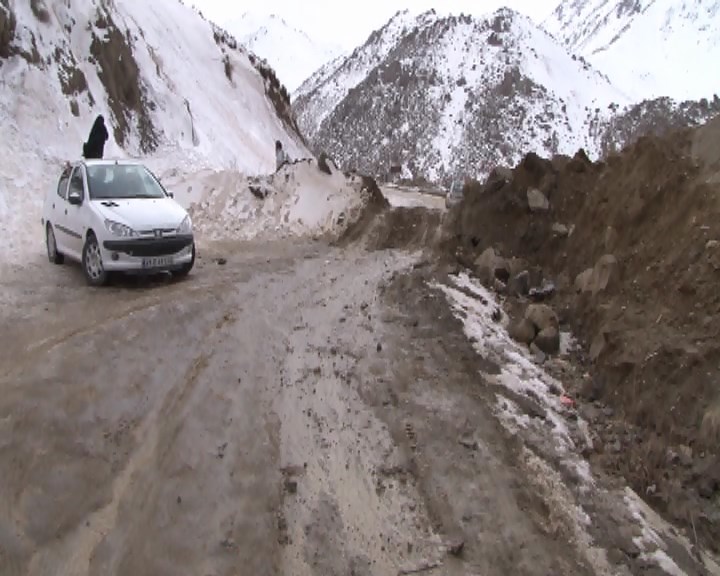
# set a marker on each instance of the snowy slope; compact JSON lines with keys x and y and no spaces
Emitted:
{"x":455,"y":96}
{"x":291,"y":52}
{"x":173,"y":90}
{"x":650,"y":48}
{"x":325,"y":89}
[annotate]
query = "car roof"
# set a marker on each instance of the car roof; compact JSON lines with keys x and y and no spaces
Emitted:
{"x":110,"y":162}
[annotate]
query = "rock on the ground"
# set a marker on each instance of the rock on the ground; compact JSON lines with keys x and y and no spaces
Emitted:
{"x":537,"y":200}
{"x":520,"y":284}
{"x":560,"y":230}
{"x":542,"y":317}
{"x":490,"y":266}
{"x":538,"y":354}
{"x":543,"y":292}
{"x":591,"y":389}
{"x":522,"y":331}
{"x":582,"y":281}
{"x":603,"y":276}
{"x":548,"y":340}
{"x":497,"y":178}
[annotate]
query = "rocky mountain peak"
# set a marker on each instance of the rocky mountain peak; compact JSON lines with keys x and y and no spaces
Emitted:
{"x":446,"y":95}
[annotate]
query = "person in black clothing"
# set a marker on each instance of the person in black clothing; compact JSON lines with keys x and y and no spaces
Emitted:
{"x":94,"y":148}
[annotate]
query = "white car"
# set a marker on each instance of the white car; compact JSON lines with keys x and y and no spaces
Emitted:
{"x":115,"y":216}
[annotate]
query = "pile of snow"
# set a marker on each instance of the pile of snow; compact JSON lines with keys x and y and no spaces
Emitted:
{"x":298,"y":200}
{"x":651,"y":48}
{"x":290,"y":51}
{"x":206,"y":101}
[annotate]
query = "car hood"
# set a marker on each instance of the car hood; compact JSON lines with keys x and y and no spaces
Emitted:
{"x":142,"y":213}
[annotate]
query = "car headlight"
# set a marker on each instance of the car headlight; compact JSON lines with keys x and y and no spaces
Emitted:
{"x":185,"y":226}
{"x":117,"y":229}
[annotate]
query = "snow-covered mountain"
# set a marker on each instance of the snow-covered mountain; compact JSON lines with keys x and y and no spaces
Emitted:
{"x":649,"y":48}
{"x":174,"y":89}
{"x":447,"y":96}
{"x":291,"y":52}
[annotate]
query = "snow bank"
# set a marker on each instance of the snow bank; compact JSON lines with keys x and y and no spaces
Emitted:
{"x":299,"y":200}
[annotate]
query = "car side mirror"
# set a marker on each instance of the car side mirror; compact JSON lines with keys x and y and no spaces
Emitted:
{"x":171,"y":195}
{"x":75,"y":198}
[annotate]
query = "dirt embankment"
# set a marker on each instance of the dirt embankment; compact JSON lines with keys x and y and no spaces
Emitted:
{"x":632,"y":249}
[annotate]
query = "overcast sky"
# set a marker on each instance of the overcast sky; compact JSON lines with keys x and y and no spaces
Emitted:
{"x":348,"y":24}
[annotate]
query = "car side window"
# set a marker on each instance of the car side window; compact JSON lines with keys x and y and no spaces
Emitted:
{"x":77,"y":182}
{"x":63,"y":185}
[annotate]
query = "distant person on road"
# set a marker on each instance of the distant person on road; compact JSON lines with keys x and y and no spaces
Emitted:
{"x":94,"y":148}
{"x":281,"y":157}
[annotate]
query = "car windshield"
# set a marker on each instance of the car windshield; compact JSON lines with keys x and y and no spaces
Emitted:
{"x":121,"y":181}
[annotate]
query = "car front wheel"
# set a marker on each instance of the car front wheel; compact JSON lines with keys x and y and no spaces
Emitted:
{"x":53,"y":255}
{"x":92,"y":263}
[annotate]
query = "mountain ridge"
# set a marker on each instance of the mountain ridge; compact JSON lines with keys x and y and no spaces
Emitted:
{"x":464,"y":91}
{"x":653,"y":48}
{"x":289,"y":50}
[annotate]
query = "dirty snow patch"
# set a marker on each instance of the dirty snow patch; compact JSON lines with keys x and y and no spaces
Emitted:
{"x":518,"y":373}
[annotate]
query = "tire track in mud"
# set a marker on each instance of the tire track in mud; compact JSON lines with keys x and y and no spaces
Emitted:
{"x":72,"y":555}
{"x":349,"y":506}
{"x":142,"y":302}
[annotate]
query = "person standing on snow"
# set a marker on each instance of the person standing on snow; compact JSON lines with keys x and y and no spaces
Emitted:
{"x":94,"y":148}
{"x":281,"y":157}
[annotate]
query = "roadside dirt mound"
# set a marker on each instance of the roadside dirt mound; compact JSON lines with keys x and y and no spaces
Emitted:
{"x":384,"y":228}
{"x":632,"y":248}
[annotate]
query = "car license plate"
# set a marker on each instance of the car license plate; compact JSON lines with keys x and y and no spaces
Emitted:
{"x":157,"y":262}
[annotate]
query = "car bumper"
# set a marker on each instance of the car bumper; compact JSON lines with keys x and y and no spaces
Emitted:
{"x":147,"y":255}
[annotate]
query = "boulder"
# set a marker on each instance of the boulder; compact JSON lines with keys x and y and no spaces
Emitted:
{"x":537,"y":200}
{"x":489,"y":267}
{"x":517,"y":265}
{"x":547,"y":290}
{"x":605,"y":274}
{"x":522,"y":331}
{"x":548,"y":340}
{"x":560,"y":230}
{"x":542,"y":317}
{"x":537,"y":276}
{"x":497,"y":178}
{"x":582,"y":281}
{"x":539,"y":356}
{"x":591,"y":389}
{"x":519,"y":284}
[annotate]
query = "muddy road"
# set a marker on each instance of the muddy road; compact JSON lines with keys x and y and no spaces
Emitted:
{"x":298,"y":410}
